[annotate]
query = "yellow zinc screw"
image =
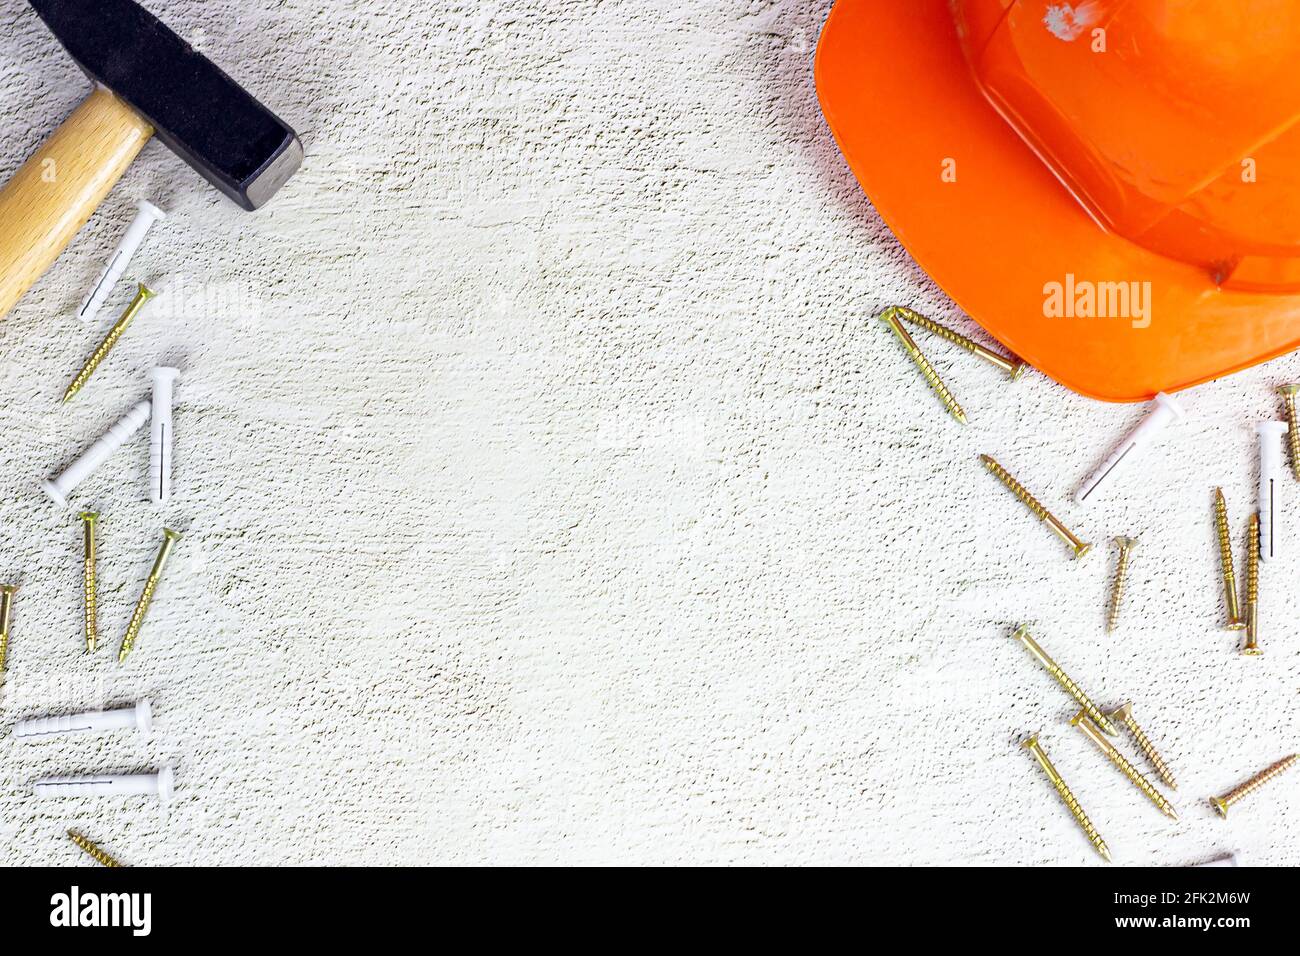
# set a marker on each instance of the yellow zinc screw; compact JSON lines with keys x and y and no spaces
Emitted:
{"x":1250,"y":786}
{"x":1068,"y":798}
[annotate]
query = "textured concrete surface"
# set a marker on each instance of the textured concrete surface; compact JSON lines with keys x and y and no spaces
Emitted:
{"x":551,"y":498}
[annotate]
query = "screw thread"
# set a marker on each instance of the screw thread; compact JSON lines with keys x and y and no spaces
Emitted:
{"x":137,"y":617}
{"x":1140,"y":781}
{"x":1008,"y":363}
{"x":1117,"y":594}
{"x":146,"y":596}
{"x":1252,"y":561}
{"x":1016,"y":487}
{"x":6,"y":610}
{"x":1252,"y":587}
{"x":119,"y":327}
{"x":92,"y":849}
{"x":1292,"y":436}
{"x":1034,"y":505}
{"x":1092,"y":710}
{"x":92,"y":614}
{"x":924,"y":322}
{"x":1257,"y":781}
{"x":1019,"y":490}
{"x":1148,"y":748}
{"x":1134,"y":775}
{"x":927,"y":370}
{"x":1074,"y":690}
{"x":1225,"y":560}
{"x":88,"y":581}
{"x":1081,"y":817}
{"x":1067,"y":797}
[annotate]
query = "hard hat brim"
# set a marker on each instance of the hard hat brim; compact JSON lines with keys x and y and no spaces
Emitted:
{"x":1000,"y":228}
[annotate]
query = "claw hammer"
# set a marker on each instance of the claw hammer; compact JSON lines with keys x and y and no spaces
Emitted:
{"x":148,"y":82}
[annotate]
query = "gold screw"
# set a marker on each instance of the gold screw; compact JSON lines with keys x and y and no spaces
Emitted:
{"x":1010,"y":364}
{"x":1126,"y":546}
{"x":1235,"y":623}
{"x":7,"y":592}
{"x":1067,"y":796}
{"x":931,"y":376}
{"x":88,"y":519}
{"x":1250,"y":786}
{"x":170,"y":537}
{"x":1124,"y":714}
{"x":1062,"y":678}
{"x":143,"y":295}
{"x":1112,"y":753}
{"x":1080,"y":548}
{"x":92,"y":849}
{"x":1292,"y":435}
{"x":1252,"y":589}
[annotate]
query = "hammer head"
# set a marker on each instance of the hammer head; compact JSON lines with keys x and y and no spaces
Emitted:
{"x":235,"y":142}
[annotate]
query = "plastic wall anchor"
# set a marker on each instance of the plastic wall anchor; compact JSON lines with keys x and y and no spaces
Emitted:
{"x":147,"y":215}
{"x":158,"y":785}
{"x":95,"y":721}
{"x":160,"y":434}
{"x":1166,"y":410}
{"x":1271,"y":477}
{"x":59,"y":488}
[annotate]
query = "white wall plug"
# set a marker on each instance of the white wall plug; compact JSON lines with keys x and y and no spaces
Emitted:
{"x":43,"y":728}
{"x":1165,"y":411}
{"x":147,"y":215}
{"x":59,"y":488}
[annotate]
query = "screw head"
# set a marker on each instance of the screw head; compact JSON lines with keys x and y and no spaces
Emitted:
{"x":1082,"y":549}
{"x":1080,"y":716}
{"x":171,"y":535}
{"x":90,"y":516}
{"x":1126,"y":544}
{"x":1220,"y":805}
{"x":1288,"y":389}
{"x":1123,"y":712}
{"x":1019,"y":370}
{"x":1252,"y":652}
{"x":1031,"y":743}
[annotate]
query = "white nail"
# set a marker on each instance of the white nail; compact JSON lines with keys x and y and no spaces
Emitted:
{"x":160,"y":434}
{"x":59,"y":488}
{"x":1165,"y":411}
{"x":144,"y":219}
{"x":1270,"y":488}
{"x":43,"y":728}
{"x":158,"y":785}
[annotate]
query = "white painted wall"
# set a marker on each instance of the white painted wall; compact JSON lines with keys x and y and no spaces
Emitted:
{"x":550,"y":496}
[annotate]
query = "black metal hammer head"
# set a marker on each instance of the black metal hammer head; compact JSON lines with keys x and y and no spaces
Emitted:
{"x":234,"y":141}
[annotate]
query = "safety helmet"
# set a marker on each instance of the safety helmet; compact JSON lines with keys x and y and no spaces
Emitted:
{"x":1107,"y":186}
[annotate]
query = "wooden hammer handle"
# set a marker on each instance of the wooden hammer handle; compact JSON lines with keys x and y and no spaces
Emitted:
{"x":61,"y":186}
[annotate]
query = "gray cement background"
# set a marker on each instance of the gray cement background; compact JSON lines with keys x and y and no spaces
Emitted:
{"x":550,"y":497}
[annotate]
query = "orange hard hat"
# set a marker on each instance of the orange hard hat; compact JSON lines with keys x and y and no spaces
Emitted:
{"x":1109,"y":187}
